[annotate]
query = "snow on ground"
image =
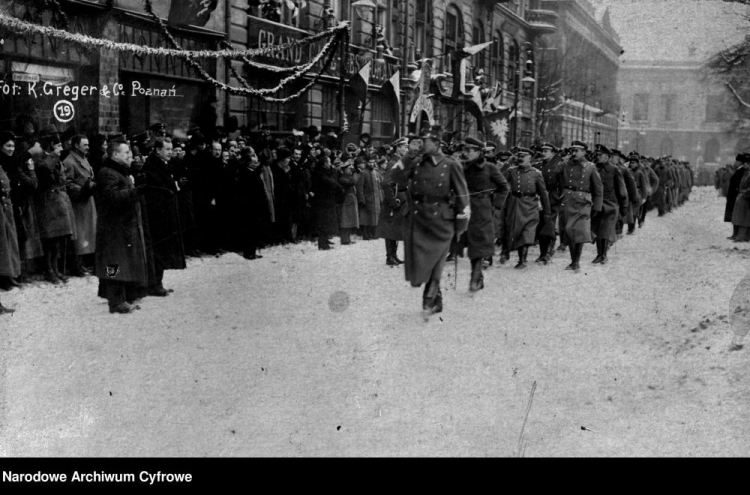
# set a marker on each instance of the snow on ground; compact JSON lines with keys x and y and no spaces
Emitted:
{"x":324,"y":353}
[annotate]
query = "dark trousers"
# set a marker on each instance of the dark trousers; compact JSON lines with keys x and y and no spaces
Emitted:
{"x":156,"y":282}
{"x":117,"y":292}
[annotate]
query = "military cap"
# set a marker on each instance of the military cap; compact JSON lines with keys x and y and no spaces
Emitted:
{"x":412,"y":136}
{"x":600,"y":148}
{"x":579,"y":145}
{"x":634,"y":157}
{"x":471,"y":142}
{"x":503,"y":155}
{"x":743,"y":158}
{"x":400,"y":142}
{"x":435,"y":133}
{"x":521,"y":151}
{"x":548,"y":146}
{"x":352,"y":148}
{"x":158,"y":127}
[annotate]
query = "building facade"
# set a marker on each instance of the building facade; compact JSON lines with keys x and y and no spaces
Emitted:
{"x":673,"y":108}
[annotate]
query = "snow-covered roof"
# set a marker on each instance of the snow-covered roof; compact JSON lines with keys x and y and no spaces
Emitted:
{"x":674,"y":29}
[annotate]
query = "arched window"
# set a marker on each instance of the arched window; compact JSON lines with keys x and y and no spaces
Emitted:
{"x":498,"y":55}
{"x":454,"y":33}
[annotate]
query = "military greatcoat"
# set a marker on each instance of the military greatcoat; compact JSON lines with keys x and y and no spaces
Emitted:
{"x":550,"y":169}
{"x":741,"y":213}
{"x":614,"y":199}
{"x":527,"y":189}
{"x":393,"y":210}
{"x":581,"y":193}
{"x":733,"y":191}
{"x":438,"y":192}
{"x":487,"y":186}
{"x":56,"y":217}
{"x":10,"y":261}
{"x":634,"y":196}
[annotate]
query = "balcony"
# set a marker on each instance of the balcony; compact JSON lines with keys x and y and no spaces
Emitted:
{"x":542,"y":21}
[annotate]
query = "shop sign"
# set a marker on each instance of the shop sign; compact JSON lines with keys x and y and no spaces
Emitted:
{"x":21,"y":77}
{"x":264,"y":34}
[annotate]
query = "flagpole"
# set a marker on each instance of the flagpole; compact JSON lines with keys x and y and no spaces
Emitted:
{"x":342,"y":82}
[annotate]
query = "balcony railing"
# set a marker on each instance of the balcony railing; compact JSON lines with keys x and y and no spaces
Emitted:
{"x":542,"y":21}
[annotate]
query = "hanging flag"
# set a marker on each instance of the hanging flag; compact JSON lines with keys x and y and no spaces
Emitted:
{"x":361,"y":81}
{"x":460,"y":65}
{"x":497,"y":125}
{"x":394,"y":84}
{"x":474,"y":106}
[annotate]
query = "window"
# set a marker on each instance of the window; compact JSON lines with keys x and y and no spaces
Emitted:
{"x":715,"y":109}
{"x":640,"y":107}
{"x":383,"y":118}
{"x":480,"y":61}
{"x":454,"y":34}
{"x":498,"y":62}
{"x":330,"y":108}
{"x":513,"y":62}
{"x":423,"y":28}
{"x":669,"y":104}
{"x":278,"y":12}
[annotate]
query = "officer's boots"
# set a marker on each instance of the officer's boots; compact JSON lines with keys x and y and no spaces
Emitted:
{"x":477,"y":278}
{"x":605,"y":248}
{"x":522,"y":253}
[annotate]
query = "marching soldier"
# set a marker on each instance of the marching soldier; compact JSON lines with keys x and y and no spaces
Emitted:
{"x":484,"y":181}
{"x":743,"y":163}
{"x":395,"y":203}
{"x":634,"y":196}
{"x":581,"y":189}
{"x":661,"y":192}
{"x":549,"y":166}
{"x":431,"y":222}
{"x":614,"y":200}
{"x":643,"y":190}
{"x":522,"y":212}
{"x":653,"y":184}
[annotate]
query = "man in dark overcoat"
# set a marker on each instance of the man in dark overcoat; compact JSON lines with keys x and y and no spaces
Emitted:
{"x":614,"y":200}
{"x":581,"y":194}
{"x":164,"y":236}
{"x":527,"y":190}
{"x":325,"y":187}
{"x":486,"y":186}
{"x":80,"y":187}
{"x":368,"y":196}
{"x":254,"y":210}
{"x":734,"y":190}
{"x":741,"y":212}
{"x":121,"y":248}
{"x":438,"y":209}
{"x":549,"y":166}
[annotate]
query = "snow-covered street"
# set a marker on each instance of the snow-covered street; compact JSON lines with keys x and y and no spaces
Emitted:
{"x":324,"y":353}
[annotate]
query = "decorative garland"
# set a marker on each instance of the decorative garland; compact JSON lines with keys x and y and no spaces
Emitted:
{"x":23,"y":28}
{"x":247,"y":90}
{"x":258,"y":65}
{"x":57,"y":10}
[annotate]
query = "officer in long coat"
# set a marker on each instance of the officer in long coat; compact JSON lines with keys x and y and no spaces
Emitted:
{"x":438,"y":209}
{"x":487,"y":186}
{"x":80,"y":187}
{"x":653,"y":185}
{"x":627,"y":214}
{"x":582,"y":192}
{"x":734,"y":190}
{"x":527,"y":190}
{"x":741,"y":213}
{"x":325,"y":187}
{"x":660,"y":193}
{"x":164,"y":236}
{"x":643,"y":186}
{"x":394,"y":208}
{"x":121,"y":248}
{"x":614,"y":199}
{"x":549,"y":166}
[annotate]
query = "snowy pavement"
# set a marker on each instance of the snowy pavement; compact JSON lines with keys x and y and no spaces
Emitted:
{"x":324,"y":353}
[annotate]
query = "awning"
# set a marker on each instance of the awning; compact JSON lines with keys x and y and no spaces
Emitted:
{"x":55,"y":76}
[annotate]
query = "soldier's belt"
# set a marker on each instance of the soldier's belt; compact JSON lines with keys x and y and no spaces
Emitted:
{"x":571,"y":188}
{"x":430,"y":198}
{"x":524,"y":195}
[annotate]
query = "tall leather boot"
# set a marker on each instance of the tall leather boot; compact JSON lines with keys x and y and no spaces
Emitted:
{"x":572,"y":249}
{"x":56,"y":261}
{"x":437,"y":306}
{"x":543,"y":249}
{"x":605,"y":248}
{"x":50,"y":275}
{"x":598,"y":258}
{"x":477,"y":278}
{"x":579,"y":251}
{"x":431,"y":290}
{"x":395,"y":252}
{"x":390,"y":259}
{"x":735,"y":231}
{"x":522,"y":251}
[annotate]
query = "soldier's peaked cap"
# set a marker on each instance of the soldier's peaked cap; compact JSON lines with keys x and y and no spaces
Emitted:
{"x":548,"y":146}
{"x":600,"y":148}
{"x":579,"y":145}
{"x":522,"y":151}
{"x":634,"y":156}
{"x":471,"y":142}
